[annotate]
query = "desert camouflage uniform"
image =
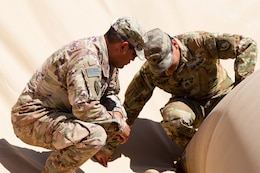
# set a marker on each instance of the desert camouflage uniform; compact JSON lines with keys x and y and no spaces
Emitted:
{"x":197,"y":85}
{"x":66,"y":105}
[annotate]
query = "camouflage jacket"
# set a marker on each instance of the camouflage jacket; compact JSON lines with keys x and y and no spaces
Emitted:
{"x":75,"y":79}
{"x":199,"y":76}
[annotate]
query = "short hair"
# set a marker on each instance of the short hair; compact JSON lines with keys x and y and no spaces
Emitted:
{"x":112,"y":36}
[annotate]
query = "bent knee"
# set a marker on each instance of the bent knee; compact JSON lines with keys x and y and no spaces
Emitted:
{"x":75,"y":132}
{"x":178,"y":132}
{"x":179,"y":126}
{"x":98,"y":136}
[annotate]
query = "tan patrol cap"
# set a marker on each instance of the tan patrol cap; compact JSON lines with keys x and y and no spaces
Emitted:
{"x":130,"y":30}
{"x":158,"y":50}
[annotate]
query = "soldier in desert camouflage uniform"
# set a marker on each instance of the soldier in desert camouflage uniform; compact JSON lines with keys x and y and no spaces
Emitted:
{"x":71,"y":105}
{"x":188,"y":67}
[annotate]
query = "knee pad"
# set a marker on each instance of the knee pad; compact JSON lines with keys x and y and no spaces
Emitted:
{"x":178,"y":113}
{"x":181,"y":135}
{"x":98,"y":135}
{"x":178,"y":119}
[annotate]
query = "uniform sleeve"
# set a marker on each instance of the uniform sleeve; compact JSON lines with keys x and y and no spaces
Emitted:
{"x":84,"y":88}
{"x":246,"y":58}
{"x":228,"y":46}
{"x":112,"y":103}
{"x":242,"y":49}
{"x":111,"y":99}
{"x":138,"y":93}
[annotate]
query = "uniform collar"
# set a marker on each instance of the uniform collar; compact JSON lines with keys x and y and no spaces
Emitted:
{"x":183,"y":54}
{"x":103,"y":55}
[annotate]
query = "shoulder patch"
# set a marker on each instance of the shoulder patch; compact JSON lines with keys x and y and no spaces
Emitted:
{"x":223,"y":45}
{"x":93,"y":72}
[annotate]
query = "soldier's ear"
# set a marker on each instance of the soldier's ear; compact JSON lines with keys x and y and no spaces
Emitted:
{"x":175,"y":44}
{"x":124,"y":47}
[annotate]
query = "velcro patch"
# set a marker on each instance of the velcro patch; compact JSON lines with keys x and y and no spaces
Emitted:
{"x":93,"y":72}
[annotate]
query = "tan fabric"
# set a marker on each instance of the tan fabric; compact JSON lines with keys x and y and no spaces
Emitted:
{"x":31,"y":30}
{"x":227,"y":140}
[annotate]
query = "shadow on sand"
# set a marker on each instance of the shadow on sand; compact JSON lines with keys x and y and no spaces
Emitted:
{"x":148,"y":147}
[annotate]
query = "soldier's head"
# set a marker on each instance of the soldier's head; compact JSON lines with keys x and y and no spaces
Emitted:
{"x":159,"y":50}
{"x":126,"y":39}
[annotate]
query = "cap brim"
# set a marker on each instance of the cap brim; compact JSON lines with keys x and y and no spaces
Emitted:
{"x":162,"y":66}
{"x":140,"y":54}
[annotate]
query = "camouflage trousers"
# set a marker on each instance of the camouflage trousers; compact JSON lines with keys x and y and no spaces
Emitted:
{"x":73,"y":141}
{"x":182,"y":117}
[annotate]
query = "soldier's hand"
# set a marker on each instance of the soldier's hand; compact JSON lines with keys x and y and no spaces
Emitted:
{"x":124,"y":130}
{"x":102,"y":158}
{"x":123,"y":133}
